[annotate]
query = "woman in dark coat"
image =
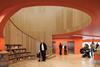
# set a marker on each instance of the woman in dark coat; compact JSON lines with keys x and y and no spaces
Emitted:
{"x":60,"y":49}
{"x":65,"y":50}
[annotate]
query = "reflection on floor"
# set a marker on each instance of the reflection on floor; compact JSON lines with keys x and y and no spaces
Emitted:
{"x":59,"y":61}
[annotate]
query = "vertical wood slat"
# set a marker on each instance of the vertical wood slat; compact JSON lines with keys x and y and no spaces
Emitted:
{"x":14,"y":36}
{"x":17,"y":37}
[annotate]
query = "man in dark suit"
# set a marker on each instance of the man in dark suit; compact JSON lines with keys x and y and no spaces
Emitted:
{"x":60,"y":49}
{"x":43,"y":49}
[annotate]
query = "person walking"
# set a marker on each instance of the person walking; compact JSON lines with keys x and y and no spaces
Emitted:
{"x":43,"y":48}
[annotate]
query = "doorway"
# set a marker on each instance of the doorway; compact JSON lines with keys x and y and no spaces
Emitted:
{"x":71,"y":47}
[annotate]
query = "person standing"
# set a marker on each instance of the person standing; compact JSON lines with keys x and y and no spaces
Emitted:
{"x":60,"y":49}
{"x":97,"y":45}
{"x":92,"y":45}
{"x":65,"y":50}
{"x":43,"y":48}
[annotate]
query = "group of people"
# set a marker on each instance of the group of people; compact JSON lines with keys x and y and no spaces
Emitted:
{"x":87,"y":51}
{"x":42,"y":52}
{"x":60,"y":49}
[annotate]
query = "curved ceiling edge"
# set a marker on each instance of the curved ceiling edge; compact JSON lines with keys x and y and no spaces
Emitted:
{"x":55,"y":19}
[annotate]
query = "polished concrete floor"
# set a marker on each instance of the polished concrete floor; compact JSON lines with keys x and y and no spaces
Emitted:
{"x":59,"y":61}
